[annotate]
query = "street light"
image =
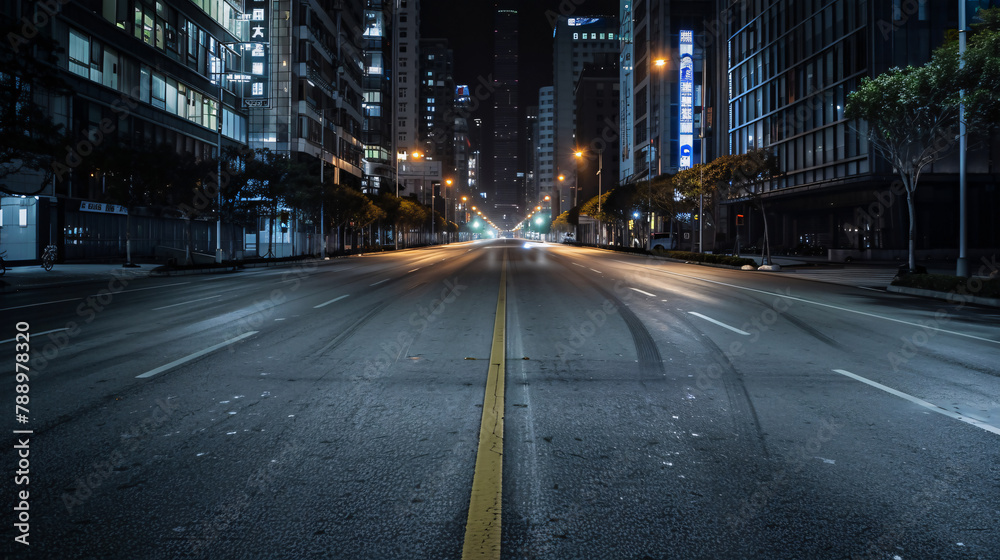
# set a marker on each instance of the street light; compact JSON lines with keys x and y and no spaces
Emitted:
{"x":447,"y":234}
{"x":399,"y":156}
{"x":600,"y":190}
{"x":659,"y":63}
{"x":423,"y":197}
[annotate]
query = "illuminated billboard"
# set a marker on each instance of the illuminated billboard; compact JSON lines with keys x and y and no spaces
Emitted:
{"x":255,"y":75}
{"x":685,"y":127}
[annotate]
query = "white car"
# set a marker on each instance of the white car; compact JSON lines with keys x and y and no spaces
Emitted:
{"x":662,"y":242}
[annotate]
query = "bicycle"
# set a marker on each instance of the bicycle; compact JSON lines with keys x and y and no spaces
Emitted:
{"x":49,"y":257}
{"x":3,"y":263}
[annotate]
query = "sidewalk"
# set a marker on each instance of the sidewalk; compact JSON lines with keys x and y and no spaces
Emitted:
{"x":31,"y":277}
{"x":933,"y":266}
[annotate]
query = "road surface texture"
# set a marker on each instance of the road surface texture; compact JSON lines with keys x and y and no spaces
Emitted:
{"x":650,"y":410}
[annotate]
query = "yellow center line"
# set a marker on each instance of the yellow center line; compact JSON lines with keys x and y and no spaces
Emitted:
{"x":482,"y":530}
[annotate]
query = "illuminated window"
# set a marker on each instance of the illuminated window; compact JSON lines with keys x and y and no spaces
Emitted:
{"x":22,"y":217}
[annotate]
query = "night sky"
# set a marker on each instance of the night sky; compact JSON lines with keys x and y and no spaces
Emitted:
{"x":468,"y":24}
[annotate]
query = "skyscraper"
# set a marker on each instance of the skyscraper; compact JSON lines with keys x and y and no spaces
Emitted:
{"x":379,"y":162}
{"x":407,"y":74}
{"x":577,"y":41}
{"x":505,"y":110}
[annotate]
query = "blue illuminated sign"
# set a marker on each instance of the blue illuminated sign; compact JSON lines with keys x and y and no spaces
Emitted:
{"x":686,"y":125}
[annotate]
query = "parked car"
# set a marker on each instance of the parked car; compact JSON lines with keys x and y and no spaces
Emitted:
{"x":662,"y":242}
{"x":569,"y":238}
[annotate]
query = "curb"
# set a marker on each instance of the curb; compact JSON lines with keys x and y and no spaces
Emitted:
{"x":947,"y":296}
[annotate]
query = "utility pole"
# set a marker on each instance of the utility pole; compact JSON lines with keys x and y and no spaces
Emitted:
{"x":962,"y":266}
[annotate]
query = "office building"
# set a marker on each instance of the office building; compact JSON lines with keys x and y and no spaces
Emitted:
{"x":661,"y":41}
{"x":578,"y":41}
{"x":506,"y":123}
{"x":793,"y":65}
{"x":407,"y":74}
{"x":437,"y":103}
{"x":597,"y":122}
{"x":379,"y":163}
{"x":545,"y":147}
{"x":316,"y":88}
{"x":140,"y":76}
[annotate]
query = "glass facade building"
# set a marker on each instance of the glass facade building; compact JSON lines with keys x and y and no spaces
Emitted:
{"x":789,"y":66}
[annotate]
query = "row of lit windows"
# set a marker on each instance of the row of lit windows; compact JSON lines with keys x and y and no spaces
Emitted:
{"x":826,"y":173}
{"x":837,"y":61}
{"x":824,"y":147}
{"x":92,"y":60}
{"x":810,"y":24}
{"x":802,"y":33}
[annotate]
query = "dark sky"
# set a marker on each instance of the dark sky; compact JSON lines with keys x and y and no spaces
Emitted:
{"x":468,"y":24}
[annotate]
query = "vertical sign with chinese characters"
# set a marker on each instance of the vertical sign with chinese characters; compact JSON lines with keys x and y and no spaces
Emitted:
{"x":255,"y":54}
{"x":686,"y":125}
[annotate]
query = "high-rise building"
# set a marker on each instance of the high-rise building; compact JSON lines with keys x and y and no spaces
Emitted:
{"x":379,"y":162}
{"x":791,"y":67}
{"x":316,"y":61}
{"x":597,"y":98}
{"x":578,"y":40}
{"x":545,"y":146}
{"x":662,"y":58}
{"x":437,"y":103}
{"x":139,"y":76}
{"x":463,"y":139}
{"x":505,"y":114}
{"x":528,"y":195}
{"x":407,"y":64}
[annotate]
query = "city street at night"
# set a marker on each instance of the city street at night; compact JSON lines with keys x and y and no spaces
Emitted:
{"x":500,"y":280}
{"x":652,"y":409}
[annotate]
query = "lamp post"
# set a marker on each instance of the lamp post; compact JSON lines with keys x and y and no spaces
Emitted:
{"x":701,"y":136}
{"x":447,"y":234}
{"x":218,"y":177}
{"x":659,"y":63}
{"x":962,"y":266}
{"x":395,"y":237}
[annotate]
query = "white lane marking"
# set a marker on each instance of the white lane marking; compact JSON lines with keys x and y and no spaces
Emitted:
{"x":379,"y":282}
{"x":143,"y":289}
{"x":923,"y":403}
{"x":334,"y":300}
{"x":414,"y":270}
{"x":597,"y":271}
{"x":36,"y":334}
{"x":194,"y":356}
{"x":720,"y":323}
{"x":643,"y":292}
{"x":579,"y":265}
{"x":184,"y":303}
{"x":837,"y":307}
{"x":37,"y":304}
